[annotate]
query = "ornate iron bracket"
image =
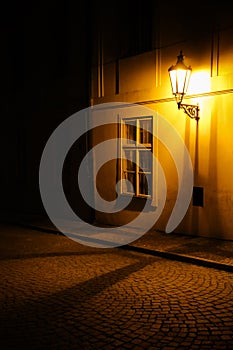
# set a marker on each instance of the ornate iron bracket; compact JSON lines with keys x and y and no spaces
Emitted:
{"x":191,"y":110}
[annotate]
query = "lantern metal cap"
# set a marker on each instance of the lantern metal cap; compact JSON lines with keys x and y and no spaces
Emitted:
{"x":180,"y":63}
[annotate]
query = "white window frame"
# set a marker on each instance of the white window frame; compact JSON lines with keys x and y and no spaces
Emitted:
{"x":137,"y":148}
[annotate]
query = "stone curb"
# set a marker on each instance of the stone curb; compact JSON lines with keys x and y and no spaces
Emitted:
{"x":180,"y":257}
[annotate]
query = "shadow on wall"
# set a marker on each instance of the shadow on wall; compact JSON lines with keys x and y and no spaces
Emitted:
{"x":206,"y":219}
{"x":213,"y":212}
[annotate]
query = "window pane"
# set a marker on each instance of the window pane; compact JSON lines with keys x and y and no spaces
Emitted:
{"x":144,"y":186}
{"x":129,"y":163}
{"x":129,"y":169}
{"x":145,"y":131}
{"x":130,"y":131}
{"x":145,"y":160}
{"x":132,"y":178}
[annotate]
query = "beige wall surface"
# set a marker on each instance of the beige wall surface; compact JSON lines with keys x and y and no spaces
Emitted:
{"x":144,"y":79}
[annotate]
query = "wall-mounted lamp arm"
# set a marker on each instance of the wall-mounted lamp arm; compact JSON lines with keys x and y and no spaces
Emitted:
{"x":191,"y":110}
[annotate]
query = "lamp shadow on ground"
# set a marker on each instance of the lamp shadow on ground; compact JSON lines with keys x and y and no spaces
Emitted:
{"x":36,"y":322}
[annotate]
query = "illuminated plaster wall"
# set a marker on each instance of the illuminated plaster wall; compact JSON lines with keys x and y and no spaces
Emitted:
{"x":144,"y":79}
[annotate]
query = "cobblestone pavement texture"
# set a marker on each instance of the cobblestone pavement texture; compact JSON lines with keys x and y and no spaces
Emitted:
{"x":58,"y":294}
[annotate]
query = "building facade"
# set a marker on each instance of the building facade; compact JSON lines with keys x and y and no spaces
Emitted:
{"x":132,"y":49}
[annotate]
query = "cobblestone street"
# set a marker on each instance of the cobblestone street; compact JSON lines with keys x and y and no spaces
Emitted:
{"x":58,"y":294}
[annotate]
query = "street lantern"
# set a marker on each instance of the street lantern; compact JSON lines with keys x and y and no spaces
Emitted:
{"x":180,"y":76}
